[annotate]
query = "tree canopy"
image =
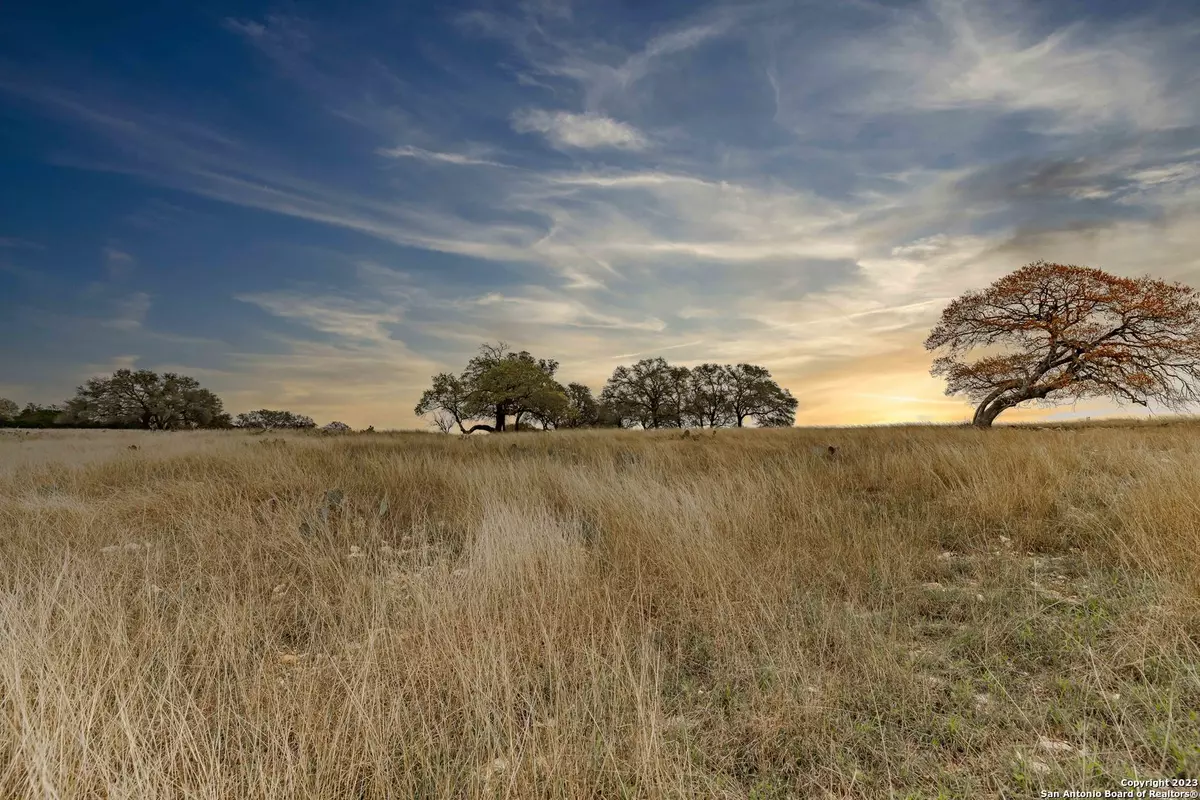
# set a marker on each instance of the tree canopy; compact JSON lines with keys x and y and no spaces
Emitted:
{"x":646,"y":393}
{"x":145,"y":399}
{"x":1052,"y":333}
{"x":496,"y":384}
{"x":754,"y":394}
{"x":654,"y":394}
{"x":8,"y":409}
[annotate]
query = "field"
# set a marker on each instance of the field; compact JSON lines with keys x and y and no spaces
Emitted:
{"x":934,"y":612}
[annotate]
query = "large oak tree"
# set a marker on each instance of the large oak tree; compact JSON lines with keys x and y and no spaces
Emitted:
{"x":496,"y":384}
{"x":145,"y":399}
{"x":754,"y":394}
{"x":1053,"y":332}
{"x":645,"y":393}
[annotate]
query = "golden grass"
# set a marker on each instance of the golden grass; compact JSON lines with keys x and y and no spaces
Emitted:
{"x":935,"y":612}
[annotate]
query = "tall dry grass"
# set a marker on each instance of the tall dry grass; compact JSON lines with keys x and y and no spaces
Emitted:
{"x":935,"y":612}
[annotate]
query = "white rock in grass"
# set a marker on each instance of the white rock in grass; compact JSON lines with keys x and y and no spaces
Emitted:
{"x":1055,"y":745}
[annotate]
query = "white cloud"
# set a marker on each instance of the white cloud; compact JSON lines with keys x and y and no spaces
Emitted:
{"x":246,"y":27}
{"x":542,"y":308}
{"x":345,"y":318}
{"x":584,"y":131}
{"x":408,"y":151}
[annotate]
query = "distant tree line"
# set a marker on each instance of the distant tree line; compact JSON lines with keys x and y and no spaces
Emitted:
{"x":146,"y":400}
{"x":500,"y":384}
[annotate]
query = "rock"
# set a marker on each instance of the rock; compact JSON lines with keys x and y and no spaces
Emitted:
{"x":1055,"y":745}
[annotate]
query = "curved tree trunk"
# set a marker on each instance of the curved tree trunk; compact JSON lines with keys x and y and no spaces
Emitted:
{"x":479,"y":427}
{"x":986,"y":414}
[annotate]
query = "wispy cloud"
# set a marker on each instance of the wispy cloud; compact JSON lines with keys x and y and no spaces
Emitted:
{"x":584,"y":131}
{"x":19,"y":244}
{"x":968,"y":54}
{"x":119,"y":263}
{"x":130,"y":312}
{"x":657,"y":350}
{"x":343,"y":318}
{"x":408,"y":151}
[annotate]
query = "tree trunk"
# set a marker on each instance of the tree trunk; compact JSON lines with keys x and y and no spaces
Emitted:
{"x":740,"y":418}
{"x":479,"y":427}
{"x":500,"y":414}
{"x":986,"y":414}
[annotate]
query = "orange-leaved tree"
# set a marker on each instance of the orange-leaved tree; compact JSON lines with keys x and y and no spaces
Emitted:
{"x":1055,"y":332}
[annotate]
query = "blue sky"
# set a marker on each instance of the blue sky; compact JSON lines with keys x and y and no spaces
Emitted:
{"x":316,"y":208}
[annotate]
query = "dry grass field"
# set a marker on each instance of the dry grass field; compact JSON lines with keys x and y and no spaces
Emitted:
{"x":932,"y":613}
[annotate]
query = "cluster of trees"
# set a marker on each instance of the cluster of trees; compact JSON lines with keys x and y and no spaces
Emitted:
{"x":145,"y":400}
{"x":31,"y":416}
{"x":267,"y":420}
{"x":141,"y":399}
{"x":127,"y":399}
{"x":499,"y":383}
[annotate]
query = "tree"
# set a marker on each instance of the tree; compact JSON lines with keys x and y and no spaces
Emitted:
{"x":582,"y":409}
{"x":147,"y":400}
{"x":496,"y":384}
{"x":679,"y":394}
{"x":442,"y":421}
{"x":8,"y":409}
{"x":711,"y":388}
{"x":643,"y":394}
{"x":755,"y":395}
{"x":449,"y":397}
{"x":517,"y":385}
{"x":266,"y":419}
{"x":1054,"y":332}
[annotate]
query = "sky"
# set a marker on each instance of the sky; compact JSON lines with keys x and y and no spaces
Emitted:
{"x":318,"y":206}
